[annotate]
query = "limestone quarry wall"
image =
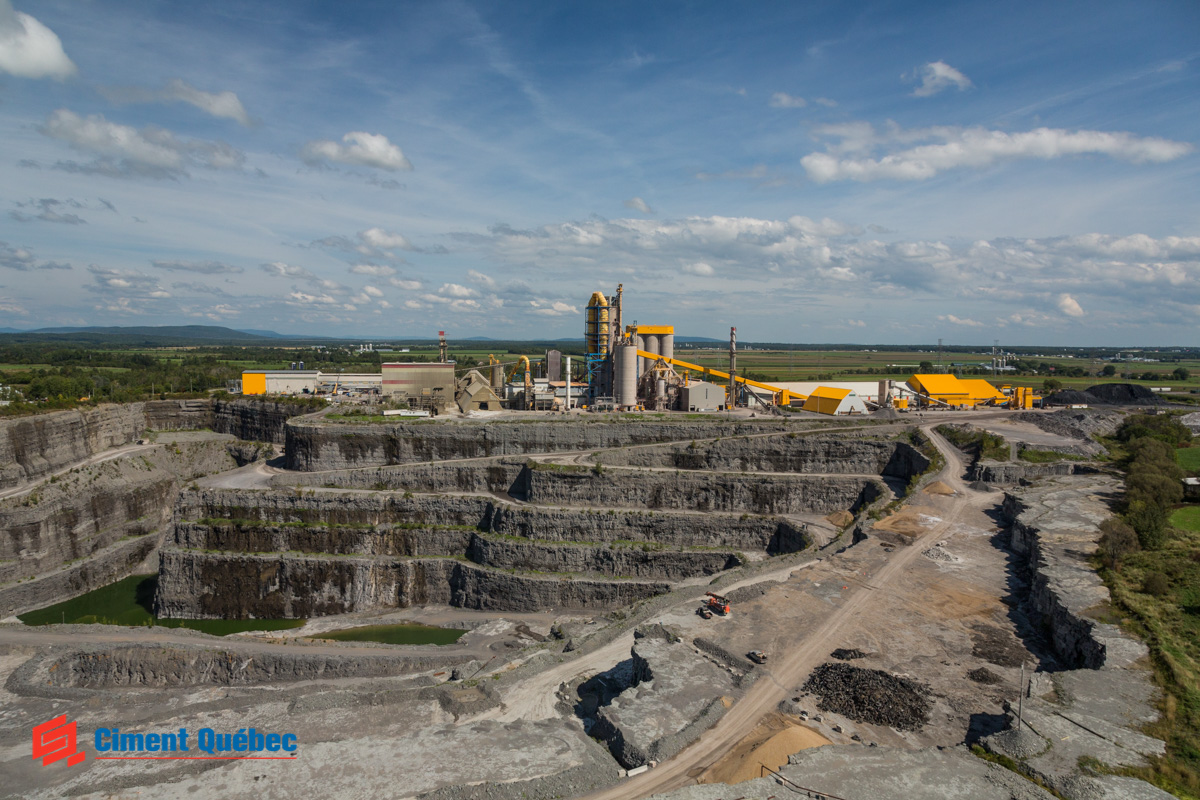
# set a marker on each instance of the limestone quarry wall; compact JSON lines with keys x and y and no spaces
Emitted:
{"x":255,"y":420}
{"x":32,"y":447}
{"x":193,"y":584}
{"x":314,"y":445}
{"x":791,"y":452}
{"x":699,"y":491}
{"x":83,"y":512}
{"x":1056,"y":526}
{"x":1012,"y":473}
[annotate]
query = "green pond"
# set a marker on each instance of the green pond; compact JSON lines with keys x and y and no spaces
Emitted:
{"x":131,"y":601}
{"x":394,"y":634}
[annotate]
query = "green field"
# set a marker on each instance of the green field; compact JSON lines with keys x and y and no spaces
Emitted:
{"x":129,"y":602}
{"x":1187,"y":518}
{"x":394,"y":634}
{"x":1189,"y":458}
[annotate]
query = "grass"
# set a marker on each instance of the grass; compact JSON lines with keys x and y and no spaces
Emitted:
{"x":394,"y":634}
{"x":130,"y":602}
{"x":1187,"y":518}
{"x":1170,"y":625}
{"x":1189,"y":458}
{"x":1047,"y":456}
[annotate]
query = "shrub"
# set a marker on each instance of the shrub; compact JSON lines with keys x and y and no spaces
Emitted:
{"x":1117,"y":540}
{"x":1156,"y":584}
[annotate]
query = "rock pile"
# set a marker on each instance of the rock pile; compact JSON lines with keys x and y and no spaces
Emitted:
{"x":870,"y":695}
{"x":843,"y":654}
{"x":984,"y":675}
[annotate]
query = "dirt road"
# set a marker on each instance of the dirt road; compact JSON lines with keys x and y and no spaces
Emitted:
{"x":793,"y":667}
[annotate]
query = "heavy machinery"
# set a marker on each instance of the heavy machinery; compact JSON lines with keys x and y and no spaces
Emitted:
{"x":527,"y":395}
{"x":757,"y":656}
{"x":718,"y":603}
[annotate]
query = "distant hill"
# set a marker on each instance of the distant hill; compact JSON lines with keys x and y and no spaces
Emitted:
{"x":11,"y":330}
{"x":268,"y":334}
{"x":156,"y":336}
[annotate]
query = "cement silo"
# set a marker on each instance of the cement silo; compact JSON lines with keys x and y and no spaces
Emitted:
{"x":625,"y":362}
{"x":666,"y":345}
{"x":640,"y":341}
{"x":651,"y":344}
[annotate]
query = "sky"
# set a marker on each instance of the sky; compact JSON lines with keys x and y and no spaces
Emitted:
{"x":820,"y":172}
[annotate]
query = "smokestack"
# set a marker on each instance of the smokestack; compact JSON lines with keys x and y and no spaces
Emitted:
{"x":732,"y":367}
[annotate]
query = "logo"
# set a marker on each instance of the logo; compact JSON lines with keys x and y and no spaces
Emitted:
{"x":54,"y":740}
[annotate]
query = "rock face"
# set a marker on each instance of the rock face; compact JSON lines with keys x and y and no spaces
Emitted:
{"x":785,"y":453}
{"x":1095,"y":708}
{"x":674,"y":696}
{"x":1056,"y":526}
{"x":314,"y":445}
{"x":255,"y":420}
{"x":32,"y":447}
{"x":289,"y":586}
{"x":87,"y":513}
{"x":334,"y":552}
{"x":1009,"y":473}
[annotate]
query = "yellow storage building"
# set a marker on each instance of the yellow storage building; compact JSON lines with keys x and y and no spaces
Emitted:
{"x":835,"y":402}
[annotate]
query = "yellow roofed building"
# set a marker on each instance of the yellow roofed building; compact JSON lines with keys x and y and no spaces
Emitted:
{"x":835,"y":402}
{"x":952,"y":391}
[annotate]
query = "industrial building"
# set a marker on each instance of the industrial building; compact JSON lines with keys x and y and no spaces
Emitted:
{"x":302,"y":381}
{"x":953,"y":392}
{"x":834,"y":402}
{"x":422,"y":385}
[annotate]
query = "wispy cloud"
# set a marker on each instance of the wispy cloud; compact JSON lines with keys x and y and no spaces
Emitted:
{"x":937,"y":76}
{"x":23,"y":260}
{"x":223,"y":105}
{"x":199,"y":267}
{"x":785,"y":100}
{"x":125,"y":151}
{"x":638,"y":204}
{"x":953,"y":148}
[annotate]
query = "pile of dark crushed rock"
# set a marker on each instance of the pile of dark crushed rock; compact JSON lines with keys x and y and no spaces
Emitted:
{"x":844,"y":654}
{"x":984,"y":675}
{"x":1107,"y":394}
{"x":870,"y":695}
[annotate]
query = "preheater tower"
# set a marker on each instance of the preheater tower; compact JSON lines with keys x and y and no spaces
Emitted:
{"x":596,"y":337}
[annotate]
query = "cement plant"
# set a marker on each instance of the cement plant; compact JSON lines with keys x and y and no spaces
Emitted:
{"x":621,"y":573}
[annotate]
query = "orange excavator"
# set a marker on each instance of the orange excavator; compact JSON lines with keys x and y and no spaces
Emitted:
{"x":718,"y":603}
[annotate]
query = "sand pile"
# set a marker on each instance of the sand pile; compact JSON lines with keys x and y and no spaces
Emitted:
{"x":770,"y":743}
{"x":937,"y":487}
{"x":840,"y":519}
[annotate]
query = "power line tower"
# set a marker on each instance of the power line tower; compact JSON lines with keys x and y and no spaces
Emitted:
{"x":940,"y":369}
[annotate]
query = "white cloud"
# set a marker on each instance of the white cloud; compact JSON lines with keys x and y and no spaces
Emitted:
{"x":785,"y":100}
{"x":699,"y":268}
{"x":856,"y":323}
{"x":405,"y":284}
{"x":305,"y":299}
{"x":825,"y":101}
{"x":638,"y":204}
{"x":379,"y":238}
{"x":953,"y":147}
{"x":371,"y":291}
{"x":555,"y":308}
{"x":125,"y":151}
{"x":457,"y":290}
{"x":278,"y":269}
{"x":224,"y":105}
{"x":199,"y":267}
{"x":359,"y":149}
{"x":937,"y":76}
{"x":480,"y":278}
{"x":28,"y":49}
{"x":953,"y":320}
{"x":1069,"y":306}
{"x":374,"y":270}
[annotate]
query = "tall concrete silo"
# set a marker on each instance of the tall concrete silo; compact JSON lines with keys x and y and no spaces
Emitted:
{"x":625,"y":358}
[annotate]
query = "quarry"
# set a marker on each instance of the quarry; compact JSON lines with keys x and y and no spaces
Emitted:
{"x":910,"y":600}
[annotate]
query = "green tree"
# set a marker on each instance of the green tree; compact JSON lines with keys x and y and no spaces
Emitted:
{"x":1117,"y":540}
{"x":1181,"y":374}
{"x":1051,"y":385}
{"x":926,"y":367}
{"x":1108,"y":371}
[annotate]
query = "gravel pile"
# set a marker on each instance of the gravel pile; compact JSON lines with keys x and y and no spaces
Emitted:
{"x":870,"y":695}
{"x":843,"y":654}
{"x":1078,"y":423}
{"x":984,"y":675}
{"x":939,"y":553}
{"x":1108,"y":394}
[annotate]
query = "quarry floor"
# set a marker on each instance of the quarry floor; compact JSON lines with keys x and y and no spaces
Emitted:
{"x":930,"y":599}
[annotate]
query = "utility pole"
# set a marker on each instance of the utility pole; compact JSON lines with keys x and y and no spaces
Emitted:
{"x":940,"y":356}
{"x":732,"y":368}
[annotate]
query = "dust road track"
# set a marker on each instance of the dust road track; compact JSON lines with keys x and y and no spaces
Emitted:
{"x":793,"y":667}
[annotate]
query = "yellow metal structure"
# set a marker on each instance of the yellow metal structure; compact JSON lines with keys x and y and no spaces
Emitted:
{"x":595,"y":332}
{"x":254,"y":383}
{"x":655,"y":330}
{"x":528,"y":380}
{"x":825,"y":400}
{"x":782,"y":396}
{"x":950,"y":390}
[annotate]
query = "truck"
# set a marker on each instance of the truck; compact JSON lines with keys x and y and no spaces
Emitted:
{"x":757,"y":656}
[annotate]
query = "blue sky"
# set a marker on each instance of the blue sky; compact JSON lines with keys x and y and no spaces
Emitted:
{"x":808,"y":172}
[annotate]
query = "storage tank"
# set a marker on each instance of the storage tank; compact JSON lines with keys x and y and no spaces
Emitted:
{"x":625,"y":357}
{"x":666,"y":345}
{"x":640,"y":341}
{"x":497,"y":377}
{"x":661,"y":388}
{"x":651,"y":345}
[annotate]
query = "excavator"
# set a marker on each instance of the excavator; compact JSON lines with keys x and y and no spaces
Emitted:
{"x":718,"y":603}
